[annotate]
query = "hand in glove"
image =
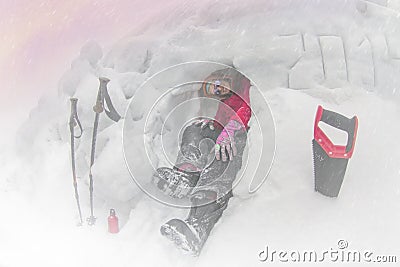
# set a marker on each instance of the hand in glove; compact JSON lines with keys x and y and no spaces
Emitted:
{"x":225,"y":141}
{"x":203,"y":123}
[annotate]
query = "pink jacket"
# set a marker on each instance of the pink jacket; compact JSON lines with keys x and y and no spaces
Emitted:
{"x":236,"y":107}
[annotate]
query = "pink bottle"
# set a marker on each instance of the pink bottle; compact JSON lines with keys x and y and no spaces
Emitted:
{"x":113,"y":227}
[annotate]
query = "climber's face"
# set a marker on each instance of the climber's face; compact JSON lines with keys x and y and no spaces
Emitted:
{"x":217,"y":88}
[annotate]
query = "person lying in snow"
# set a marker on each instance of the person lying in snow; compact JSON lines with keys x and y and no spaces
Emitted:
{"x":208,"y":182}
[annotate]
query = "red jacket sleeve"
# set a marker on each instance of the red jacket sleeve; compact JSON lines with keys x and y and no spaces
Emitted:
{"x":243,"y":114}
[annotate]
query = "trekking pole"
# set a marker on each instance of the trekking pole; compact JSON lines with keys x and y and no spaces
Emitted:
{"x":102,"y":98}
{"x":73,"y":122}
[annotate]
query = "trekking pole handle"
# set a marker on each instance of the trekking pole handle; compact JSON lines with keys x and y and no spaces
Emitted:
{"x":99,"y":106}
{"x":336,"y":120}
{"x":110,"y":111}
{"x":74,"y":103}
{"x":74,"y":120}
{"x":104,"y":81}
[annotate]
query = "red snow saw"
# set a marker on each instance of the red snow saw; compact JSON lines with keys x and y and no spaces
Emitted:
{"x":330,"y":160}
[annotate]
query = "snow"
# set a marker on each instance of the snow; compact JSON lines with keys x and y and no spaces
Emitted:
{"x":342,"y":55}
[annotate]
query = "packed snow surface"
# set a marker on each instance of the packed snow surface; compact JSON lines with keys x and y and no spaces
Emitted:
{"x":343,"y":55}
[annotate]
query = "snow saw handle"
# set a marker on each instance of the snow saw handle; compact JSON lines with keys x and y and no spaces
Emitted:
{"x":340,"y":122}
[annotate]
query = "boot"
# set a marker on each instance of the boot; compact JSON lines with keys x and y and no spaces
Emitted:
{"x":191,"y":234}
{"x":175,"y":182}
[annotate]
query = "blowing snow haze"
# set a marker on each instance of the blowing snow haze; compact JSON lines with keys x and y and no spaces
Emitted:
{"x":342,"y":55}
{"x":40,"y":39}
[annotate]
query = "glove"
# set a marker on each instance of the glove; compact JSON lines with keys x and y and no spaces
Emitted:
{"x":225,"y":141}
{"x":203,"y":123}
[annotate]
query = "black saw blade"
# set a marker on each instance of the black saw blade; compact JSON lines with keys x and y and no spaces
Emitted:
{"x":328,"y":172}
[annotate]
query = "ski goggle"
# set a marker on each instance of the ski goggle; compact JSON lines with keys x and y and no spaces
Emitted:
{"x":218,"y":88}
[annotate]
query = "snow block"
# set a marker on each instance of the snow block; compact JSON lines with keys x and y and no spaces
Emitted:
{"x":334,"y":61}
{"x":393,"y":46}
{"x":378,"y":2}
{"x":308,"y":71}
{"x":361,"y":64}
